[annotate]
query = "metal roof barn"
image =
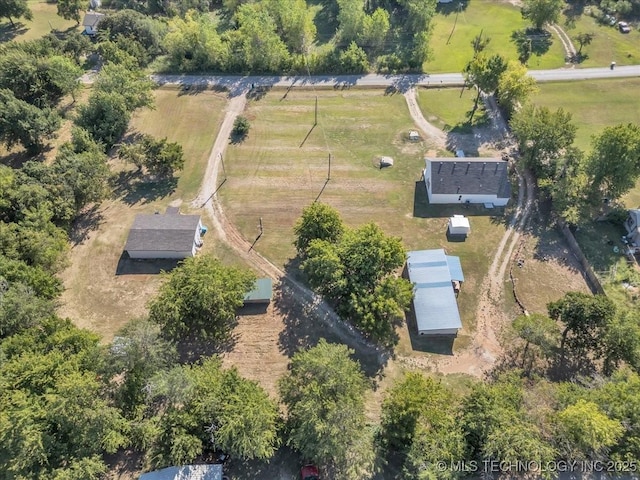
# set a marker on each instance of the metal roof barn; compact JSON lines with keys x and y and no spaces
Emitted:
{"x":186,"y":472}
{"x":432,"y":272}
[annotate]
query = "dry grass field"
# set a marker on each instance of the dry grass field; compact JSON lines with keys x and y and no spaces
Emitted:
{"x":45,"y":20}
{"x":96,"y":297}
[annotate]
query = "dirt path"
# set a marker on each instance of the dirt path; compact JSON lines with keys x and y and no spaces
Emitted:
{"x":569,"y":49}
{"x":485,"y":348}
{"x":312,"y":304}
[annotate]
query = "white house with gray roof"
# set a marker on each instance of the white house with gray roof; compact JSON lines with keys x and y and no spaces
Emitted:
{"x":164,"y":236}
{"x":467,"y":180}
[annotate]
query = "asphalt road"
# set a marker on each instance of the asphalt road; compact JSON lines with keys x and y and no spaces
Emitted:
{"x":401,"y":82}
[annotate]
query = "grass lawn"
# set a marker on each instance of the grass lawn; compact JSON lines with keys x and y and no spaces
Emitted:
{"x":282,"y":167}
{"x":95,"y":296}
{"x":594,"y":104}
{"x":449,"y":111}
{"x":608,"y":44}
{"x":45,"y":19}
{"x":497,"y":20}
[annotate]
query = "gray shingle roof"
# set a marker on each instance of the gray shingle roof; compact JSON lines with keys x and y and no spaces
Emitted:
{"x":174,"y":233}
{"x":470,"y":176}
{"x":91,"y":19}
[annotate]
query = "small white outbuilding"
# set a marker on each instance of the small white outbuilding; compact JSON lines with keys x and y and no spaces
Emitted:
{"x":414,"y":136}
{"x":386,"y":162}
{"x":459,"y":225}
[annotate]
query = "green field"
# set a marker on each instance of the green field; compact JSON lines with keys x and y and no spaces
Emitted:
{"x":448,"y":108}
{"x":45,"y":20}
{"x":275,"y":173}
{"x":497,"y":20}
{"x":594,"y":104}
{"x":608,"y":44}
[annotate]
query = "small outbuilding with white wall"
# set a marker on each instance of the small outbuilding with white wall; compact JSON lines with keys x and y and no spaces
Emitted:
{"x":467,"y":180}
{"x":459,"y":225}
{"x":164,"y":236}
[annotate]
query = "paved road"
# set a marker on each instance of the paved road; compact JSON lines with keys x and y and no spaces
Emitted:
{"x":237,"y":84}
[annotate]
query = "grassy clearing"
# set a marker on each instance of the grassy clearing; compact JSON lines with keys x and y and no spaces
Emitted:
{"x":608,"y":45}
{"x":497,"y":20}
{"x":282,"y":167}
{"x":449,"y":109}
{"x":595,"y":104}
{"x":45,"y":20}
{"x":96,"y":297}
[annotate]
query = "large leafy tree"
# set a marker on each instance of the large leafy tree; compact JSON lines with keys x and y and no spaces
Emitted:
{"x":484,"y":72}
{"x":324,"y":395}
{"x":541,"y":336}
{"x":15,"y":9}
{"x":419,"y":419}
{"x":131,"y":84}
{"x":20,"y":308}
{"x":105,"y":117}
{"x":318,"y":221}
{"x":514,"y":87}
{"x":542,"y":12}
{"x":22,"y":123}
{"x":200,"y":298}
{"x":586,"y":319}
{"x":70,"y":9}
{"x":543,"y":139}
{"x":614,"y":162}
{"x":357,"y":273}
{"x":586,"y":431}
{"x":204,"y":406}
{"x":159,"y":157}
{"x":294,"y":21}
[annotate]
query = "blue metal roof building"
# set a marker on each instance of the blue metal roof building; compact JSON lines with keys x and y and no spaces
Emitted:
{"x":432,"y":272}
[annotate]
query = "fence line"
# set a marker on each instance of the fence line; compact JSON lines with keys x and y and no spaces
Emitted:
{"x":587,"y":270}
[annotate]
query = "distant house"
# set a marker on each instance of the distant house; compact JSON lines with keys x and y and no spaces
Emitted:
{"x":90,"y":22}
{"x":436,"y":278}
{"x":164,"y":236}
{"x":632,"y":225}
{"x":467,"y":180}
{"x":261,"y":294}
{"x":186,"y":472}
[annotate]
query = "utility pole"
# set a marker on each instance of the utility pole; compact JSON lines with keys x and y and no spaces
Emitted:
{"x":260,"y":227}
{"x":329,"y":172}
{"x":222,"y":162}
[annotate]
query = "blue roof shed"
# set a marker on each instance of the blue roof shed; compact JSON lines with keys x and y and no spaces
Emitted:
{"x":432,"y":273}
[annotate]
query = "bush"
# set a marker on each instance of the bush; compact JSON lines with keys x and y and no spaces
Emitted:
{"x":241,"y":127}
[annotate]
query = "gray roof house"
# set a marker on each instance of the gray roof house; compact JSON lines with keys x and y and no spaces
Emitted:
{"x":186,"y":472}
{"x":90,"y":22}
{"x":164,"y":236}
{"x":467,"y":180}
{"x":434,"y":274}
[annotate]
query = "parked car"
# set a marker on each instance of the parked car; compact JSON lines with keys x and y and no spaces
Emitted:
{"x":309,"y":472}
{"x":624,"y":27}
{"x":610,"y":19}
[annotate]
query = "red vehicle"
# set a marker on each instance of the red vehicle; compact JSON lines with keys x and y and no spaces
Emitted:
{"x":309,"y":472}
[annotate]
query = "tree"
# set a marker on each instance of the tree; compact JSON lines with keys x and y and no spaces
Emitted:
{"x":480,"y":43}
{"x":70,"y":9}
{"x":137,"y":353}
{"x":159,"y":157}
{"x":584,"y":39}
{"x":15,"y":9}
{"x":137,"y":26}
{"x":543,"y":138}
{"x":375,"y":30}
{"x":319,"y":221}
{"x":587,"y":430}
{"x":241,"y":127}
{"x":538,"y":330}
{"x":23,"y":123}
{"x":356,"y":273}
{"x":105,"y":117}
{"x":324,"y":395}
{"x":514,"y":87}
{"x":20,"y":308}
{"x":622,"y":342}
{"x":42,"y":283}
{"x":351,"y":17}
{"x":131,"y":84}
{"x":484,"y":72}
{"x":354,"y":59}
{"x":295,"y":23}
{"x":200,"y":297}
{"x":542,"y":12}
{"x":586,"y":319}
{"x":613,"y":165}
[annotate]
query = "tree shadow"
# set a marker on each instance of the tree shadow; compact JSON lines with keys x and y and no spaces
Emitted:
{"x":258,"y":93}
{"x":87,"y":221}
{"x":192,"y":349}
{"x":573,"y":11}
{"x":237,"y":138}
{"x":198,"y":88}
{"x":531,"y":42}
{"x":305,"y":323}
{"x":9,"y":32}
{"x":325,"y":20}
{"x":284,"y":458}
{"x":452,"y":8}
{"x":131,"y":187}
